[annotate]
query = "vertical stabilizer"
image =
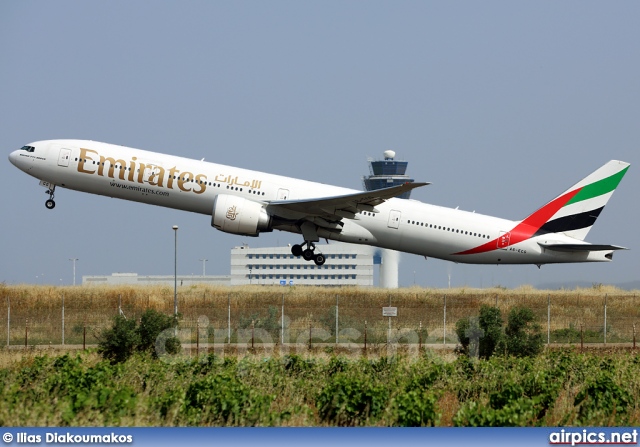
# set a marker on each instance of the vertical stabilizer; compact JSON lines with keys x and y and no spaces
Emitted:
{"x":575,"y":211}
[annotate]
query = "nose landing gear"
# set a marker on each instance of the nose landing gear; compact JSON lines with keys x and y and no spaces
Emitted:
{"x":50,"y":204}
{"x":308,"y":253}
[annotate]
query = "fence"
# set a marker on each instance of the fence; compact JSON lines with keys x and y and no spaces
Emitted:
{"x":74,"y":316}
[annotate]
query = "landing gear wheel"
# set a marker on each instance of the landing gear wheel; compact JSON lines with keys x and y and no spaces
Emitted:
{"x":296,"y":250}
{"x":50,"y":204}
{"x":308,"y":254}
{"x":319,"y":259}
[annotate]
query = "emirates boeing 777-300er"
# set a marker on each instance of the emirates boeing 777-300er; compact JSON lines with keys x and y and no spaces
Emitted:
{"x":248,"y":203}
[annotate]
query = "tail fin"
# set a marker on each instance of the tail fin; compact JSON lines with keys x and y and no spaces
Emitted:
{"x":575,"y":211}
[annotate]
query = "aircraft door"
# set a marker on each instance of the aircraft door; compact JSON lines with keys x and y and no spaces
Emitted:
{"x":394,"y":219}
{"x":283,"y":194}
{"x":63,"y":158}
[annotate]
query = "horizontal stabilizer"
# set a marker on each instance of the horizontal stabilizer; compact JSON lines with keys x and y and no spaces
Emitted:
{"x":580,"y":247}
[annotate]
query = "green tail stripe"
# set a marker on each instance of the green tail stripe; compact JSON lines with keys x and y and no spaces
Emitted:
{"x":604,"y":186}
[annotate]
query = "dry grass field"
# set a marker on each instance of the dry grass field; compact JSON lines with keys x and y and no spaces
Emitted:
{"x":37,"y":311}
{"x":321,"y":385}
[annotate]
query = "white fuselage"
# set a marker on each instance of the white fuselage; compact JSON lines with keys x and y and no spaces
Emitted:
{"x":191,"y":185}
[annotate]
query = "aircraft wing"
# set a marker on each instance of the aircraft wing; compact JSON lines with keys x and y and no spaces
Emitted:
{"x":580,"y":247}
{"x":338,"y":207}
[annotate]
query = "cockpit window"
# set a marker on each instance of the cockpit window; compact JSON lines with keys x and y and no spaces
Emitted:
{"x":28,"y":148}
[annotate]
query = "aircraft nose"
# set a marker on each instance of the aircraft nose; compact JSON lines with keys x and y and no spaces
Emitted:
{"x":13,"y":158}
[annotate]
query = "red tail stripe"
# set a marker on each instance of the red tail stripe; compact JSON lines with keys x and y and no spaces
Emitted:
{"x":528,"y":227}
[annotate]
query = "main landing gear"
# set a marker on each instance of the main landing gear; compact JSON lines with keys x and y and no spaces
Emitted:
{"x":50,"y":204}
{"x":308,"y":253}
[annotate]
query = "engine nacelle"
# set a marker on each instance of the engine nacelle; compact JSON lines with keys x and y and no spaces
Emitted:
{"x":236,"y":215}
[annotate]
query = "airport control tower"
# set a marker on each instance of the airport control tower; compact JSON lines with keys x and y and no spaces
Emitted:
{"x":384,"y":174}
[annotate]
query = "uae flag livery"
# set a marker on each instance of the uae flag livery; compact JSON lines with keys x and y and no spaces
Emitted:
{"x":572,"y":213}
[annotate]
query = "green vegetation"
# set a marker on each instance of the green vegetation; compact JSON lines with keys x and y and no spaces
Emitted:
{"x":485,"y":336}
{"x":554,"y":388}
{"x":125,"y":337}
{"x":523,"y":335}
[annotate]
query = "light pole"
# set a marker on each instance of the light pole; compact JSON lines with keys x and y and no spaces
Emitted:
{"x":203,"y":261}
{"x":74,"y":269}
{"x":175,"y":272}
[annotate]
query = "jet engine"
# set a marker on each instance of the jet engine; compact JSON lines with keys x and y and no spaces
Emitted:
{"x":236,"y":215}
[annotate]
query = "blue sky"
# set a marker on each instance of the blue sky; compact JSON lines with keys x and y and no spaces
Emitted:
{"x":501,"y":105}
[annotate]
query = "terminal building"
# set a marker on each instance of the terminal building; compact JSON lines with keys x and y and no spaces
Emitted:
{"x":347,"y":265}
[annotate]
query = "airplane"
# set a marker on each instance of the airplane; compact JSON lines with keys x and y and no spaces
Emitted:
{"x":246,"y":202}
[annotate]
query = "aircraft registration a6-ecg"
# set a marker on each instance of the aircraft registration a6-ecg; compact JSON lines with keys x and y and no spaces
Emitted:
{"x":248,"y":203}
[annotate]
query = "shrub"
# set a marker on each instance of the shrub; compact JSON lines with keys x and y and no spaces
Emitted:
{"x":152,"y":324}
{"x":469,"y":334}
{"x":125,"y":337}
{"x":351,"y":401}
{"x":520,"y":412}
{"x":490,"y":322}
{"x":118,"y":342}
{"x":523,"y":336}
{"x":603,"y":401}
{"x":462,"y":331}
{"x":224,"y":400}
{"x":416,"y":408}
